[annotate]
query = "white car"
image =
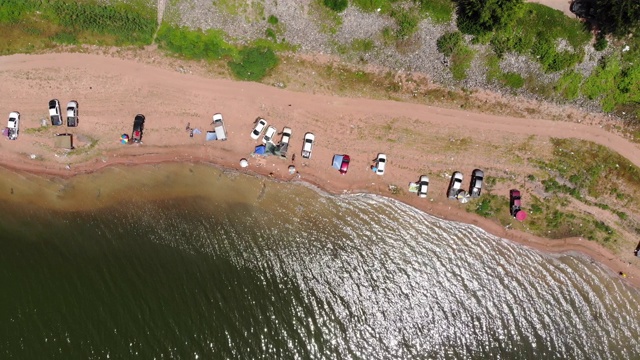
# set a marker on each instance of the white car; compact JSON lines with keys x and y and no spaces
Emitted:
{"x":54,"y":112}
{"x":72,"y":113}
{"x":381,"y":164}
{"x":455,"y":184}
{"x":307,"y":146}
{"x":13,"y":125}
{"x":268,"y":135}
{"x":258,"y":129}
{"x":218,"y":127}
{"x":423,"y":186}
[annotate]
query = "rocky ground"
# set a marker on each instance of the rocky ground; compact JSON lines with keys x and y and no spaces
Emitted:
{"x":316,"y":30}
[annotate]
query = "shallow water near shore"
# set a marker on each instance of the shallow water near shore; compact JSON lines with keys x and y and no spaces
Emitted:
{"x":186,"y":261}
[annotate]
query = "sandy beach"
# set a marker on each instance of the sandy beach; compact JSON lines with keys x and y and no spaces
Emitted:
{"x":418,"y":139}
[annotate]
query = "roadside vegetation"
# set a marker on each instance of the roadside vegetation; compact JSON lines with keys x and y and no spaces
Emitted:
{"x":577,"y":182}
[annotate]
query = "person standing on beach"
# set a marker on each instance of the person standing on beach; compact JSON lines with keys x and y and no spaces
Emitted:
{"x":293,"y":157}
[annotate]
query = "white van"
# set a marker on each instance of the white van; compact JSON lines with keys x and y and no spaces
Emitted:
{"x":218,"y":127}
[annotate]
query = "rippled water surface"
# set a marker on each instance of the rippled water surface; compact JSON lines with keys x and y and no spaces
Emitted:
{"x":189,"y":262}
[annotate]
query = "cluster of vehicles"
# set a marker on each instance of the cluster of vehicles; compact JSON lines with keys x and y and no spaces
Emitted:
{"x":55,"y":115}
{"x":475,"y":186}
{"x":271,"y":131}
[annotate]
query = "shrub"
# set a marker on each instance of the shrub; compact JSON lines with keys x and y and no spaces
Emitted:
{"x":254,"y":63}
{"x":270,"y":34}
{"x":448,"y":43}
{"x":336,"y":5}
{"x":65,"y":38}
{"x":273,"y":20}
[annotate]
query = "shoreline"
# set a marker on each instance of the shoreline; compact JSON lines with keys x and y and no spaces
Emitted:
{"x":419,"y":139}
{"x":567,"y":246}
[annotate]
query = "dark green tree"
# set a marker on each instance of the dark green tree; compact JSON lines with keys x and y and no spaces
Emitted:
{"x":617,"y":17}
{"x":482,"y":16}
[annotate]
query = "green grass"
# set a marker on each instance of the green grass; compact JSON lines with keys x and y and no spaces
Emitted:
{"x":440,"y":11}
{"x":586,"y":168}
{"x":29,"y":25}
{"x":253,"y":63}
{"x":195,"y":44}
{"x":461,"y":62}
{"x":568,"y":86}
{"x":614,"y":83}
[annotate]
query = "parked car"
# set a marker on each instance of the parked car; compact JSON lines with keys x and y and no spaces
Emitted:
{"x":455,"y":184}
{"x":218,"y":127}
{"x":381,"y":164}
{"x":13,"y":125}
{"x":258,"y":129}
{"x":138,"y":128}
{"x":268,"y":135}
{"x":284,"y":142}
{"x":423,"y":186}
{"x":54,"y":112}
{"x":307,"y":146}
{"x":344,"y":166}
{"x":515,"y":202}
{"x":72,"y":113}
{"x":475,"y":187}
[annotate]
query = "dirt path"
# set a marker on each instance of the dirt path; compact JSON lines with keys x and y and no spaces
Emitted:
{"x":562,"y":5}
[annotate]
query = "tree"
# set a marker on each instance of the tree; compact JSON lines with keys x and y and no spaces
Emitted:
{"x":617,"y":17}
{"x":482,"y":16}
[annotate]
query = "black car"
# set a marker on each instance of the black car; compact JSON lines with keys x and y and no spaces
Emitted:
{"x":138,"y":128}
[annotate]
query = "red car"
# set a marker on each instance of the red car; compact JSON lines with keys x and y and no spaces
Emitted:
{"x":515,"y":205}
{"x":345,"y":164}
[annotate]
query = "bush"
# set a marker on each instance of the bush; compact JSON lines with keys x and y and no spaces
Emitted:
{"x":194,"y":44}
{"x":336,"y":5}
{"x":601,"y":43}
{"x":448,"y":43}
{"x":254,"y":63}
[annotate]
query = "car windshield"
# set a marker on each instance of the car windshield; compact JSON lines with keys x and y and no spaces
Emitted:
{"x":256,"y":132}
{"x":381,"y":160}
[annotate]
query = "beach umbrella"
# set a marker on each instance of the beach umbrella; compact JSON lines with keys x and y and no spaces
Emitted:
{"x":124,"y":138}
{"x":521,"y":215}
{"x":292,"y":169}
{"x":244,"y":163}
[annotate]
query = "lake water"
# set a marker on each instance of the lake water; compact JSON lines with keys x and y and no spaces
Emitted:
{"x":181,"y":261}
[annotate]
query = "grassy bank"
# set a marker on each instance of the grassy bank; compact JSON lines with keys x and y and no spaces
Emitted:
{"x":581,"y":190}
{"x":32,"y":25}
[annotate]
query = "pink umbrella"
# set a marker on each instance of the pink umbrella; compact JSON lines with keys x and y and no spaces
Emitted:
{"x":521,"y":215}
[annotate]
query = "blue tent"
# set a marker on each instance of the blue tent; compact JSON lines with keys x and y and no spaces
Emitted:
{"x":260,"y":150}
{"x":337,"y":161}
